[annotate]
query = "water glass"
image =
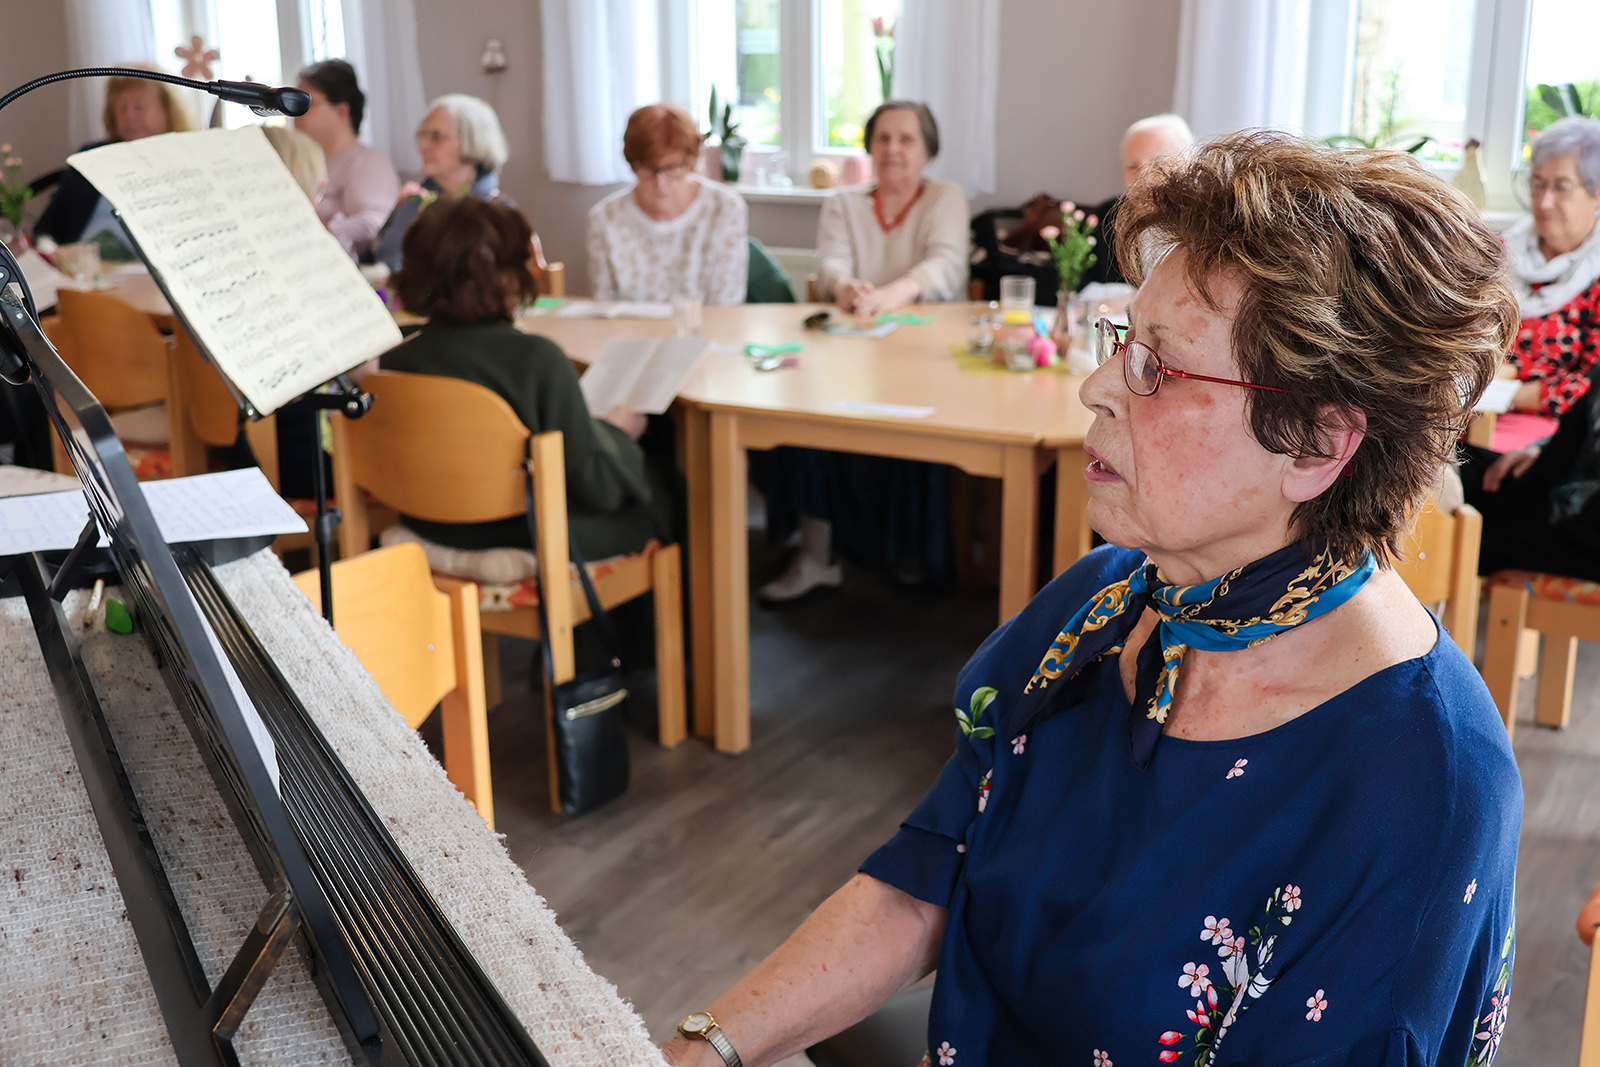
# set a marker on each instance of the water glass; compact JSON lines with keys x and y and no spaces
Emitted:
{"x":686,"y":316}
{"x":1016,"y":299}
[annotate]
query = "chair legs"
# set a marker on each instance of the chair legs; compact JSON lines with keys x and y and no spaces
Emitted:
{"x":1554,"y":706}
{"x":1508,"y":614}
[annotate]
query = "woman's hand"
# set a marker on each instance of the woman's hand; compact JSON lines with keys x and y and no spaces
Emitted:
{"x":1589,"y":917}
{"x":629,"y":422}
{"x":1510,"y":465}
{"x":891,"y":297}
{"x":849,"y":293}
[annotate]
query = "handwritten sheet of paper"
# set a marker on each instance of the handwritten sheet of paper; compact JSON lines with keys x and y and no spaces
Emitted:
{"x":1497,"y":398}
{"x":205,"y":507}
{"x":640,"y":375}
{"x":893,"y":411}
{"x":269,"y":292}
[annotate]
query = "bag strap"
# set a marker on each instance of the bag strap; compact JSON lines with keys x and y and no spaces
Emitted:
{"x":603,"y":624}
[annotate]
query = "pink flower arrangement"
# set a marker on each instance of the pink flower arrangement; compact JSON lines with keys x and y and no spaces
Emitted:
{"x":1072,"y":245}
{"x":14,"y":190}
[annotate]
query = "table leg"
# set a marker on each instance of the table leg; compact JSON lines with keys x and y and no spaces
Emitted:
{"x":1019,"y":529}
{"x":730,"y":584}
{"x":1073,"y":539}
{"x":696,"y":444}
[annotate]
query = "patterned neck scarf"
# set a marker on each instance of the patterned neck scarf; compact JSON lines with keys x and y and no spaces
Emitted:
{"x":1239,"y":610}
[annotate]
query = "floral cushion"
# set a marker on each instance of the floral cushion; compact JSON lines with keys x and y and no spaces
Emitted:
{"x":505,"y":576}
{"x":1551,"y":586}
{"x":149,"y":464}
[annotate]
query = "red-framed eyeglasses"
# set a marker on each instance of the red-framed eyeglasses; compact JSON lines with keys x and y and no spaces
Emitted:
{"x":1142,"y":368}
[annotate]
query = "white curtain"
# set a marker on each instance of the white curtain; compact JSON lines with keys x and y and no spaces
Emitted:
{"x":102,"y":33}
{"x":600,"y":63}
{"x":1243,"y":63}
{"x":947,"y":55}
{"x":380,"y":40}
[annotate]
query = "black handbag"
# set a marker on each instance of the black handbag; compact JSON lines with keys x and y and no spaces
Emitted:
{"x":589,"y":726}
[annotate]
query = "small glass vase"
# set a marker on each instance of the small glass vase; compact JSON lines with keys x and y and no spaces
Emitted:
{"x":12,"y":237}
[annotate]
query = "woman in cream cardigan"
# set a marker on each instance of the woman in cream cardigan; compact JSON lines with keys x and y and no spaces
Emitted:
{"x":903,"y":241}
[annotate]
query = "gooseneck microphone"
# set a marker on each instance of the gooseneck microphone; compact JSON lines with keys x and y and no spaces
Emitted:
{"x":262,"y":99}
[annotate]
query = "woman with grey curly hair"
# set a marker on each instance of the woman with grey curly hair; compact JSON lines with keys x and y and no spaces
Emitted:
{"x":463,"y":149}
{"x":1541,"y":503}
{"x":1223,"y":792}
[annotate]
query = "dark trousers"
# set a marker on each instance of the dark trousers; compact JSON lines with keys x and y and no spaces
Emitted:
{"x":1517,"y":529}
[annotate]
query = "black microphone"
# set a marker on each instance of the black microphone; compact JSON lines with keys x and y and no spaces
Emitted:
{"x":262,"y":99}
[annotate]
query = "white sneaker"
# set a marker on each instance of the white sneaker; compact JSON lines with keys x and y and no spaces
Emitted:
{"x":804,"y":575}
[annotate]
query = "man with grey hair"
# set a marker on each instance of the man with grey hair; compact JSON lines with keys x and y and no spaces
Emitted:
{"x":1157,"y":135}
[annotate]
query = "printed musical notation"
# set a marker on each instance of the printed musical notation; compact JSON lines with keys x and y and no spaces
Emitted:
{"x":268,"y":291}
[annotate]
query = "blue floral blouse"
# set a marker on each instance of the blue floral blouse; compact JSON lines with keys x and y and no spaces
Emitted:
{"x":1335,"y":890}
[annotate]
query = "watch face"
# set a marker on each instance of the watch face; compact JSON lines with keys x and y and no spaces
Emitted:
{"x":697,"y":1023}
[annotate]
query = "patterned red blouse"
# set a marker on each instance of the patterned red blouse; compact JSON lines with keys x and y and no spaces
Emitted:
{"x":1559,"y":350}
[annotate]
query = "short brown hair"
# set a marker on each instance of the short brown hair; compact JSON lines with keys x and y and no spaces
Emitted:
{"x":658,"y":130}
{"x":464,"y":259}
{"x":1368,"y":285}
{"x":930,"y":128}
{"x":180,"y":113}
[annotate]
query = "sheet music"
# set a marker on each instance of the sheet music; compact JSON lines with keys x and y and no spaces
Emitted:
{"x":613,"y":309}
{"x":269,"y":292}
{"x":641,"y":375}
{"x":205,"y":507}
{"x":1497,"y":398}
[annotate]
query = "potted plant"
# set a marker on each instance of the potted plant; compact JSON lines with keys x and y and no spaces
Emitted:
{"x":14,"y":193}
{"x":1072,"y":248}
{"x":730,"y":141}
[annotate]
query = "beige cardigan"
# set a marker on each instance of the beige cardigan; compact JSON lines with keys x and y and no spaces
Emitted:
{"x":930,"y":246}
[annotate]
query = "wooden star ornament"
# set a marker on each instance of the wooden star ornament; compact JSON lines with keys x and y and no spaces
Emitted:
{"x":197,"y":58}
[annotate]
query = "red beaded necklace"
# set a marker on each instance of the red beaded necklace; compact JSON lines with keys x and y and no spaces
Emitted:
{"x":877,"y":208}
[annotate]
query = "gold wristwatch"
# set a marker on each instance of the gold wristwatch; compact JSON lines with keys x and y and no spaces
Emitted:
{"x":702,"y":1027}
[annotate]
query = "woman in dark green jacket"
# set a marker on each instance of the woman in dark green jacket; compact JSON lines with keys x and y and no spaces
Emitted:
{"x":466,"y":269}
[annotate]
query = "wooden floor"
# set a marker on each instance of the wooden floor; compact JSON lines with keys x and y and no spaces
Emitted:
{"x":708,"y":861}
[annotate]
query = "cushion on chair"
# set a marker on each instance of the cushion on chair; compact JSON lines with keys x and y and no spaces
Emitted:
{"x":1551,"y":586}
{"x":505,"y":576}
{"x":149,"y":464}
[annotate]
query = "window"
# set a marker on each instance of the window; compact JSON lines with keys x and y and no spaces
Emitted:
{"x":1455,"y":70}
{"x":802,"y":75}
{"x":266,"y":41}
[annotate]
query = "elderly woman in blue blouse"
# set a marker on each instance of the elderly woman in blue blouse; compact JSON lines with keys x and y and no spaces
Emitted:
{"x":462,"y":148}
{"x":1222,"y":793}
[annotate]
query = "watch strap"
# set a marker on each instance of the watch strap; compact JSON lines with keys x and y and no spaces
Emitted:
{"x":719,"y":1041}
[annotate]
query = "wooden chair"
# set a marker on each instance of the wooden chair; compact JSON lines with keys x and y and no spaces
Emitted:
{"x":1441,"y":566}
{"x":551,"y":277}
{"x":118,"y":353}
{"x":1589,"y":1039}
{"x":1561,"y":611}
{"x":202,"y":414}
{"x":446,"y":450}
{"x":419,"y":638}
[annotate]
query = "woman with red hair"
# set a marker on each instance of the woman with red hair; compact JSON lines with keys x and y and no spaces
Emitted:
{"x":672,"y":233}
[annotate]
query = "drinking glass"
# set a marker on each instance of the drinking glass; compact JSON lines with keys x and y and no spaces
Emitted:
{"x":686,"y":316}
{"x":1016,"y":299}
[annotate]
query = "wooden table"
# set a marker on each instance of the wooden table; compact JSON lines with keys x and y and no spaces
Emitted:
{"x":991,"y":425}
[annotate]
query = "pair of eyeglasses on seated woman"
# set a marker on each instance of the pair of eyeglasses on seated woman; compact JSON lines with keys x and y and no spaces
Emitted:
{"x":1142,"y":369}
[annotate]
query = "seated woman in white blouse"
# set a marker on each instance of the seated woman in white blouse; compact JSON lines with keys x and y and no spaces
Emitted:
{"x":673,"y":233}
{"x":904,"y":240}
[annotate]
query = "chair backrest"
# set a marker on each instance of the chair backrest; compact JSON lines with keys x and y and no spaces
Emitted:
{"x":201,"y":413}
{"x":1440,"y":565}
{"x":113,"y":347}
{"x":766,"y":282}
{"x":396,"y":622}
{"x":550,"y":277}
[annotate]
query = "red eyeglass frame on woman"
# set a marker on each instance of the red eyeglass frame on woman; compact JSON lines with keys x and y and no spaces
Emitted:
{"x":1108,"y":331}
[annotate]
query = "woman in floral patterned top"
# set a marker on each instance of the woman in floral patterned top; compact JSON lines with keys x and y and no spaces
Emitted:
{"x":1224,"y":795}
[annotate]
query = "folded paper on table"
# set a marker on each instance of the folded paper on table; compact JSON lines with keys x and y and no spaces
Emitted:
{"x":1497,"y":398}
{"x":613,"y":309}
{"x":897,"y":411}
{"x":266,"y":290}
{"x":43,"y":279}
{"x":206,"y":507}
{"x":849,"y":328}
{"x":641,"y":375}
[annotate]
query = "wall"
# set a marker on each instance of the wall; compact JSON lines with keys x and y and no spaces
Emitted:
{"x":33,"y":42}
{"x":1062,"y":104}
